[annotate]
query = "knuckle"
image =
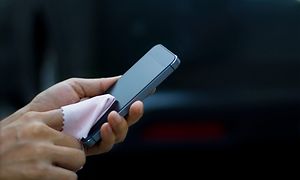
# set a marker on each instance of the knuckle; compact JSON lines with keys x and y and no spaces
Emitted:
{"x":32,"y":129}
{"x":30,"y":115}
{"x":37,"y":149}
{"x":102,"y":87}
{"x":36,"y":128}
{"x":77,"y":87}
{"x":71,"y":80}
{"x":40,"y":149}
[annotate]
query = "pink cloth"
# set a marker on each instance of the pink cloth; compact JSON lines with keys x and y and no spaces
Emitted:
{"x":80,"y":117}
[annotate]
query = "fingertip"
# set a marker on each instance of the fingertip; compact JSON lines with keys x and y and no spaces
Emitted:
{"x":135,"y":113}
{"x":139,"y":103}
{"x":112,"y":115}
{"x":138,"y":108}
{"x":111,"y":79}
{"x":106,"y":129}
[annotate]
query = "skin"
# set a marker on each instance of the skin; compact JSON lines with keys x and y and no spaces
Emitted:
{"x":32,"y":145}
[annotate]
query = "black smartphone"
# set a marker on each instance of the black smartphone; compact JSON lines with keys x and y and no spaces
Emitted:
{"x":136,"y":84}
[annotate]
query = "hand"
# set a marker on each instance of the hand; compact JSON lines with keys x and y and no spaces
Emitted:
{"x":31,"y":149}
{"x":75,"y":89}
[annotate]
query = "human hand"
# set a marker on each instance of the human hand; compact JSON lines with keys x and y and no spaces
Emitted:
{"x":74,"y":90}
{"x":32,"y":147}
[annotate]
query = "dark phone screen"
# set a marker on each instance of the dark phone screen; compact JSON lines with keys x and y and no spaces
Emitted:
{"x":140,"y":75}
{"x":137,"y":83}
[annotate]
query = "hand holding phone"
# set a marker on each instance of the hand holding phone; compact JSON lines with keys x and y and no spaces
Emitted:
{"x":136,"y":84}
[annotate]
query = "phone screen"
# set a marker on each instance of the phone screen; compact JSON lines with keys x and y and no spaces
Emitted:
{"x":137,"y":83}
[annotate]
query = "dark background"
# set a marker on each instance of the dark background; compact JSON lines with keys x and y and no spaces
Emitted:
{"x":237,"y":89}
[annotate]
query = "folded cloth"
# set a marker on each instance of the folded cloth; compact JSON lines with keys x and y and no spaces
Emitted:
{"x":80,"y":117}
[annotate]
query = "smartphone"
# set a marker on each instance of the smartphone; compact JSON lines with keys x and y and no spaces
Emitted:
{"x":136,"y":84}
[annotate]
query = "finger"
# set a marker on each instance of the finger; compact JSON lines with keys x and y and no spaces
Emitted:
{"x":68,"y":158}
{"x":36,"y":129}
{"x":91,"y":87}
{"x":136,"y":111}
{"x":119,"y":126}
{"x":60,"y":173}
{"x":107,"y":142}
{"x":108,"y":138}
{"x":62,"y":139}
{"x":53,"y":119}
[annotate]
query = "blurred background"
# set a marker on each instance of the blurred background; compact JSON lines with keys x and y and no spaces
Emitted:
{"x":238,"y":87}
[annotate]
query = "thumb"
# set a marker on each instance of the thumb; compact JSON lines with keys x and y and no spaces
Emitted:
{"x":53,"y":119}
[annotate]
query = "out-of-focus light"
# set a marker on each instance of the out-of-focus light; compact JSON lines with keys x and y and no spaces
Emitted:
{"x":182,"y":132}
